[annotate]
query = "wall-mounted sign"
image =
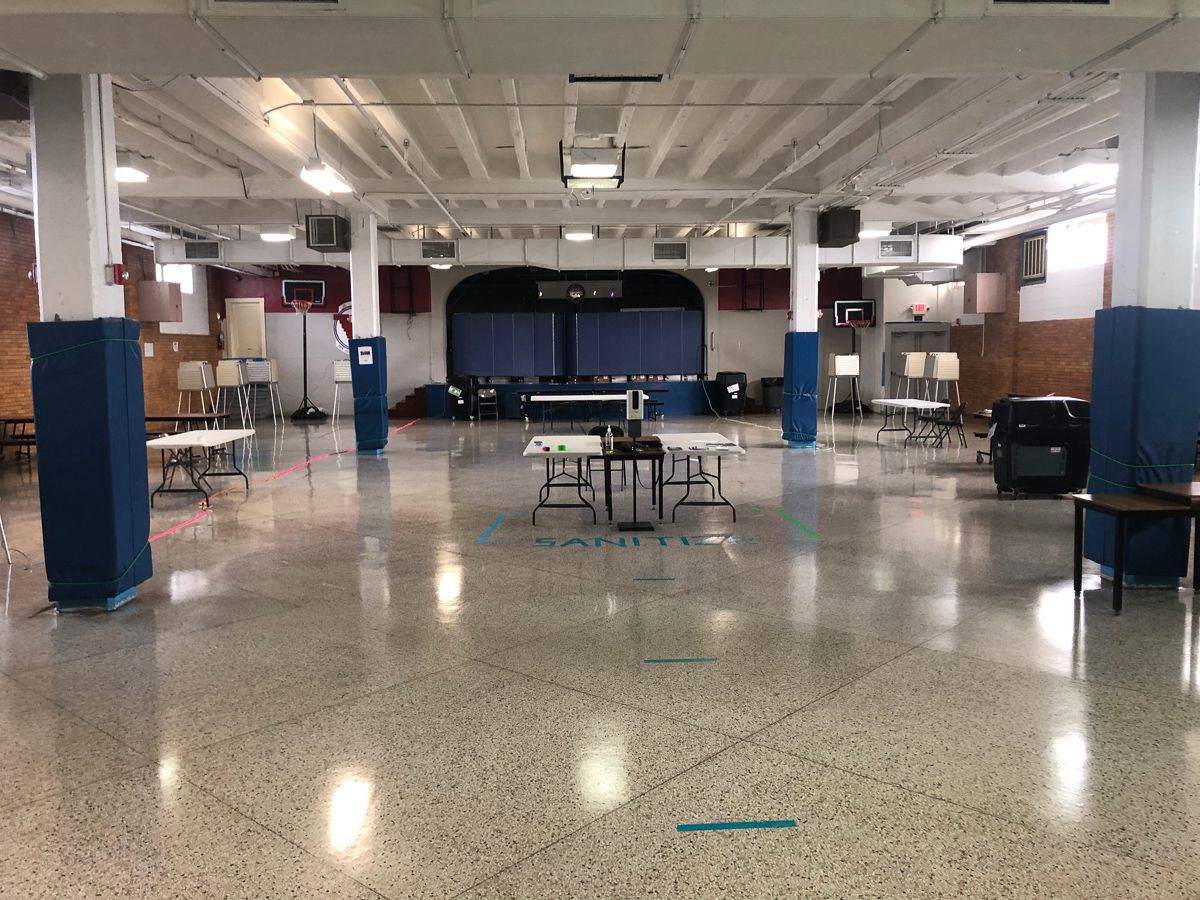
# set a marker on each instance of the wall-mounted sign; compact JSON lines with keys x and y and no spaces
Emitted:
{"x":366,"y":356}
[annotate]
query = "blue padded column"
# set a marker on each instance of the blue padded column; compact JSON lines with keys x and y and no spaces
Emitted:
{"x":89,"y":417}
{"x":368,"y":369}
{"x":800,"y":388}
{"x":1145,"y":416}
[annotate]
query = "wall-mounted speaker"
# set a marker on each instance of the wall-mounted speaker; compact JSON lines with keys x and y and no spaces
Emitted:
{"x":838,"y":227}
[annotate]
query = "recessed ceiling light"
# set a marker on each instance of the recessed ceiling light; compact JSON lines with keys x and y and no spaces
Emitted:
{"x":440,"y":266}
{"x":276,"y":235}
{"x":130,"y":175}
{"x":712,"y":269}
{"x":578,"y":233}
{"x":873,"y":233}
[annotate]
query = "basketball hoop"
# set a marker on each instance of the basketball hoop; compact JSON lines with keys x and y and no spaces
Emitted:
{"x":302,"y":306}
{"x":859,"y":323}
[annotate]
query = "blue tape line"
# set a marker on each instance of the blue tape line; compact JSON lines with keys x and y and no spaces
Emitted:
{"x":733,"y":826}
{"x":487,"y":534}
{"x":648,"y":578}
{"x":685,"y":659}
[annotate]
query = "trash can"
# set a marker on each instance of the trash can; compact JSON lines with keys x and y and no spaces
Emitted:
{"x":772,"y":393}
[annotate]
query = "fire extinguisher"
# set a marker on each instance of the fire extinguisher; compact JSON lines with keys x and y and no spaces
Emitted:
{"x":221,"y":341}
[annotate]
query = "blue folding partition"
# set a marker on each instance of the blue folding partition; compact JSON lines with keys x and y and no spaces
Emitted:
{"x":508,"y":344}
{"x":641,"y":342}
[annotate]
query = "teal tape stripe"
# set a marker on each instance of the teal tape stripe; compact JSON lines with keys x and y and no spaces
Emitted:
{"x":487,"y":534}
{"x":737,"y":826}
{"x":85,"y":344}
{"x":682,"y":659}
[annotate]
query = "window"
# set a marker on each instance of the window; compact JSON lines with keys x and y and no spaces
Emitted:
{"x":1077,"y":244}
{"x":1033,"y":258}
{"x":180,"y":274}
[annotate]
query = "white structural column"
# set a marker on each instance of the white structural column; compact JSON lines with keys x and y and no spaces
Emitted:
{"x":364,"y":274}
{"x":1154,"y":245}
{"x":805,"y":270}
{"x":78,"y":224}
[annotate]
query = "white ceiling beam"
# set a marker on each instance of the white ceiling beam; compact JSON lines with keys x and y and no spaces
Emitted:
{"x":326,"y":116}
{"x":685,"y":95}
{"x":1075,"y":149}
{"x":570,"y":113}
{"x":477,"y":217}
{"x":441,"y":91}
{"x":629,"y":104}
{"x":515,"y":127}
{"x":186,"y":115}
{"x":1000,"y":157}
{"x":732,"y":125}
{"x":795,"y":125}
{"x":157,"y":133}
{"x":394,"y":124}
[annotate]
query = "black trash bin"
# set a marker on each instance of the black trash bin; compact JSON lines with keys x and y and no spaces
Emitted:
{"x":772,"y":393}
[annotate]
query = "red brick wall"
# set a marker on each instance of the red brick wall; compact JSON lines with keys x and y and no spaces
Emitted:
{"x":1025,"y":357}
{"x":19,"y":305}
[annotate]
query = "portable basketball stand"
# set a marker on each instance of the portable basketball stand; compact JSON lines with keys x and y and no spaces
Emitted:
{"x":307,"y":411}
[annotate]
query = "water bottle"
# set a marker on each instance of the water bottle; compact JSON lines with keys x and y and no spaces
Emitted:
{"x":608,"y":440}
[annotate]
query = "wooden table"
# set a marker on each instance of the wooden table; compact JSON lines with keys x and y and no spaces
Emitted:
{"x":1187,"y":492}
{"x":627,"y":450}
{"x":1122,"y":507}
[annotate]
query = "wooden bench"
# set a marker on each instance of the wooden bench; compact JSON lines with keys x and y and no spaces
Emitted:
{"x":1123,"y":507}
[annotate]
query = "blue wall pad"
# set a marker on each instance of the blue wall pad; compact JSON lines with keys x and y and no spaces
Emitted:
{"x":1145,"y":416}
{"x":87,"y":380}
{"x":800,"y":370}
{"x":368,"y":370}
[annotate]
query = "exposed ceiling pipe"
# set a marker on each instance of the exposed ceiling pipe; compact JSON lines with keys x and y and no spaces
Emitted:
{"x":685,"y":38}
{"x":389,"y":142}
{"x":158,"y":133}
{"x":939,"y":12}
{"x":13,"y":61}
{"x":1092,"y":64}
{"x":455,"y":41}
{"x":181,"y":224}
{"x":221,"y":42}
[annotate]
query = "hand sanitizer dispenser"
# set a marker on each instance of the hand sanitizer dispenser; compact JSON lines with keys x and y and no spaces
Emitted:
{"x":633,"y":413}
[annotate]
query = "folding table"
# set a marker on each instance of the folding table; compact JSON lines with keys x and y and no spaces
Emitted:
{"x":901,"y":407}
{"x":698,"y":445}
{"x":178,"y":452}
{"x":557,"y":450}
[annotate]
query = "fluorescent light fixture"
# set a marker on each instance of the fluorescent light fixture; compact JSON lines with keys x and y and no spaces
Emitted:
{"x":1012,"y":221}
{"x":276,"y":235}
{"x":874,"y":233}
{"x":130,"y":175}
{"x":578,"y":233}
{"x":593,"y":170}
{"x":595,"y":162}
{"x":440,"y":266}
{"x":711,"y":268}
{"x":591,"y":167}
{"x":324,"y":177}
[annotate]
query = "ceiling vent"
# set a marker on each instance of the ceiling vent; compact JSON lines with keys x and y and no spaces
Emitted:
{"x":670,"y":251}
{"x":439,"y":250}
{"x":202,"y":251}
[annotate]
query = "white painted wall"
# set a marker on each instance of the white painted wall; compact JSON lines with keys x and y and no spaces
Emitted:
{"x":1074,"y":286}
{"x":193,"y":292}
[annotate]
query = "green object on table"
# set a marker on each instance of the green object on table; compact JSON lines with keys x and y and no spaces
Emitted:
{"x":562,"y":448}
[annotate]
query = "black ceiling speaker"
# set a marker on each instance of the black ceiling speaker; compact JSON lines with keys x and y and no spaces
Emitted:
{"x":327,"y":234}
{"x":838,"y":227}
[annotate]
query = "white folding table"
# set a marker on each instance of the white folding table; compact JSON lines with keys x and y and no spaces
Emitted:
{"x":178,"y":451}
{"x":547,"y":402}
{"x":698,"y":445}
{"x":558,"y":450}
{"x":901,"y":407}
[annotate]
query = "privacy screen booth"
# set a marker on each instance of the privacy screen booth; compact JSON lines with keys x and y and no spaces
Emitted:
{"x":514,"y":323}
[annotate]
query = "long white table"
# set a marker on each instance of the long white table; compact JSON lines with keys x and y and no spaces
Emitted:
{"x":178,"y":452}
{"x":548,"y":400}
{"x":698,"y":445}
{"x":903,"y":406}
{"x":558,"y":449}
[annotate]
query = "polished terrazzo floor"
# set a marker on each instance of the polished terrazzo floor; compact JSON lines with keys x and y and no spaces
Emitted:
{"x":372,"y":677}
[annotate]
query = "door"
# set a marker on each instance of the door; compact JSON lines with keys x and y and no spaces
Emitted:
{"x":245,"y":328}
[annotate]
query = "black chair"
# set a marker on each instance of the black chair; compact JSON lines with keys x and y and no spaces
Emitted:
{"x":942,"y":426}
{"x":599,"y":431}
